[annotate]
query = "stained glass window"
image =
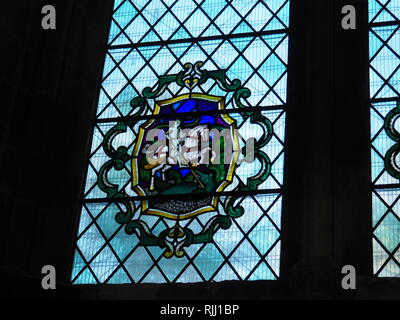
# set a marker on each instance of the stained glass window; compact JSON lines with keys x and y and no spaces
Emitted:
{"x":217,"y":69}
{"x":384,"y":55}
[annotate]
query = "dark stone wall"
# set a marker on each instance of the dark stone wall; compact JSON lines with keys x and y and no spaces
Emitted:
{"x":49,"y":91}
{"x":49,"y":87}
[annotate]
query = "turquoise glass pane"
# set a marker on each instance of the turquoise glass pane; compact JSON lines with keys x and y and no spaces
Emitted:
{"x":384,"y":53}
{"x":148,"y":21}
{"x":384,"y":10}
{"x":237,"y":235}
{"x":243,"y":252}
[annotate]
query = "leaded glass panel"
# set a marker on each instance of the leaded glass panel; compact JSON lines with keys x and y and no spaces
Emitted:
{"x":208,"y":67}
{"x":384,"y":51}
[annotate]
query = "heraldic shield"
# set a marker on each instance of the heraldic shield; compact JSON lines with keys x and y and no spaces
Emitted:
{"x":189,"y":156}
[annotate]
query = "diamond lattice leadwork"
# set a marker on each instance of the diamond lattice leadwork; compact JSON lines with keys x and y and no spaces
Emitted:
{"x":240,"y":48}
{"x":385,"y":137}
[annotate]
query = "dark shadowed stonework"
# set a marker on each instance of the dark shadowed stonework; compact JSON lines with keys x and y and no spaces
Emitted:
{"x":49,"y":86}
